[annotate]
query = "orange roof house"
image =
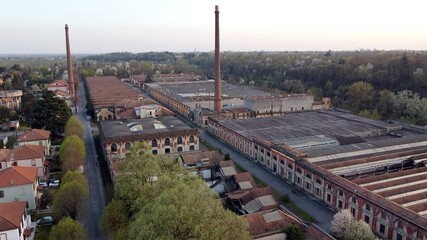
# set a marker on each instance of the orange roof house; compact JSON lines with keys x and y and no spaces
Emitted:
{"x":34,"y":135}
{"x":19,"y":183}
{"x":11,"y":224}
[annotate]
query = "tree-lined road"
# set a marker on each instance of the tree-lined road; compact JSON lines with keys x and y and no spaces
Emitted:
{"x":96,"y":201}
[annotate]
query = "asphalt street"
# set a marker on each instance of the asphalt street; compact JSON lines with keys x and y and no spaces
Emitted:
{"x":96,"y":201}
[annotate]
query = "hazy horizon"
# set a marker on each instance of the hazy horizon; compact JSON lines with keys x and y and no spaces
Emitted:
{"x":188,"y":25}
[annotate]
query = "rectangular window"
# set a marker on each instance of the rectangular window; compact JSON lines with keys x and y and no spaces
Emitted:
{"x":382,"y":229}
{"x":367,"y":219}
{"x":328,"y":197}
{"x":40,"y":143}
{"x":33,"y":162}
{"x":399,"y":237}
{"x":353,"y":212}
{"x":1,"y":194}
{"x":339,"y":204}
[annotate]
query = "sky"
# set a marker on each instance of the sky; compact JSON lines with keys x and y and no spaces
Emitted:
{"x":102,"y":26}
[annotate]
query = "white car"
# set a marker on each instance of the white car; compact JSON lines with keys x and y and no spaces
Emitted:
{"x":43,"y":184}
{"x":54,"y":183}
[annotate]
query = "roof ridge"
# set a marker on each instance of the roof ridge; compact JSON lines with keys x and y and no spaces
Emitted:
{"x":18,"y":169}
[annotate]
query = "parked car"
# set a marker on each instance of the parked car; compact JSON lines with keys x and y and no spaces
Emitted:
{"x":43,"y":184}
{"x":47,"y":220}
{"x":54,"y":183}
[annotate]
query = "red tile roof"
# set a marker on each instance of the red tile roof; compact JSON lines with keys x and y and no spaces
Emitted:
{"x":315,"y":233}
{"x":25,"y":152}
{"x":127,"y":114}
{"x":260,"y":224}
{"x":59,"y":82}
{"x":4,"y":153}
{"x":17,"y":176}
{"x":11,"y":215}
{"x":34,"y":135}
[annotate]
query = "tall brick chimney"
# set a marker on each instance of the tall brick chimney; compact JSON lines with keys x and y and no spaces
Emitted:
{"x":69,"y":63}
{"x":217,"y":100}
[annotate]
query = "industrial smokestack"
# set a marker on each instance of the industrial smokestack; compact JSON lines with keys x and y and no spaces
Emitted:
{"x":217,"y":100}
{"x":69,"y":63}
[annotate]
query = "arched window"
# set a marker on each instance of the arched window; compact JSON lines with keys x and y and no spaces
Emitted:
{"x":128,"y":145}
{"x":99,"y":118}
{"x":367,"y":214}
{"x":318,"y":181}
{"x":340,"y":199}
{"x":167,"y":142}
{"x":354,"y":206}
{"x":418,"y":235}
{"x":299,"y":170}
{"x":282,"y":162}
{"x":154,"y":143}
{"x":399,"y":231}
{"x":382,"y":224}
{"x":113,"y":147}
{"x":179,"y":140}
{"x":290,"y":166}
{"x":110,"y":117}
{"x":191,"y":139}
{"x":329,"y":192}
{"x":308,"y":175}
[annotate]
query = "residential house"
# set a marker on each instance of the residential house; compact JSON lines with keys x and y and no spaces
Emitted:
{"x":59,"y":85}
{"x":14,"y":221}
{"x":19,"y":183}
{"x":36,"y":137}
{"x":26,"y":156}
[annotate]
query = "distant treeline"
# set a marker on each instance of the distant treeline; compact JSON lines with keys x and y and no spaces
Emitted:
{"x":363,"y":81}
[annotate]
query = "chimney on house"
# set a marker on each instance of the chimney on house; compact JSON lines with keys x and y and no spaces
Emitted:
{"x":69,"y":63}
{"x":217,"y":100}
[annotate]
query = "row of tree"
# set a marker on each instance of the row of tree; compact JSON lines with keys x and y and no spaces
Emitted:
{"x":74,"y":189}
{"x":156,"y":199}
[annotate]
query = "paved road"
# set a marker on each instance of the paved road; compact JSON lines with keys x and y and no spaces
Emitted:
{"x":96,"y":201}
{"x":322,"y":214}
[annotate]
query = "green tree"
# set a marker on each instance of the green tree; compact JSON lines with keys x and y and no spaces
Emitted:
{"x":385,"y":103}
{"x":74,"y":176}
{"x":138,"y":186}
{"x":316,"y":93}
{"x":360,"y":95}
{"x":294,"y":232}
{"x":114,"y":219}
{"x":69,"y":198}
{"x":72,"y":153}
{"x":184,"y":211}
{"x":74,"y":127}
{"x":5,"y":114}
{"x":372,"y":114}
{"x":50,"y":113}
{"x":68,"y":229}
